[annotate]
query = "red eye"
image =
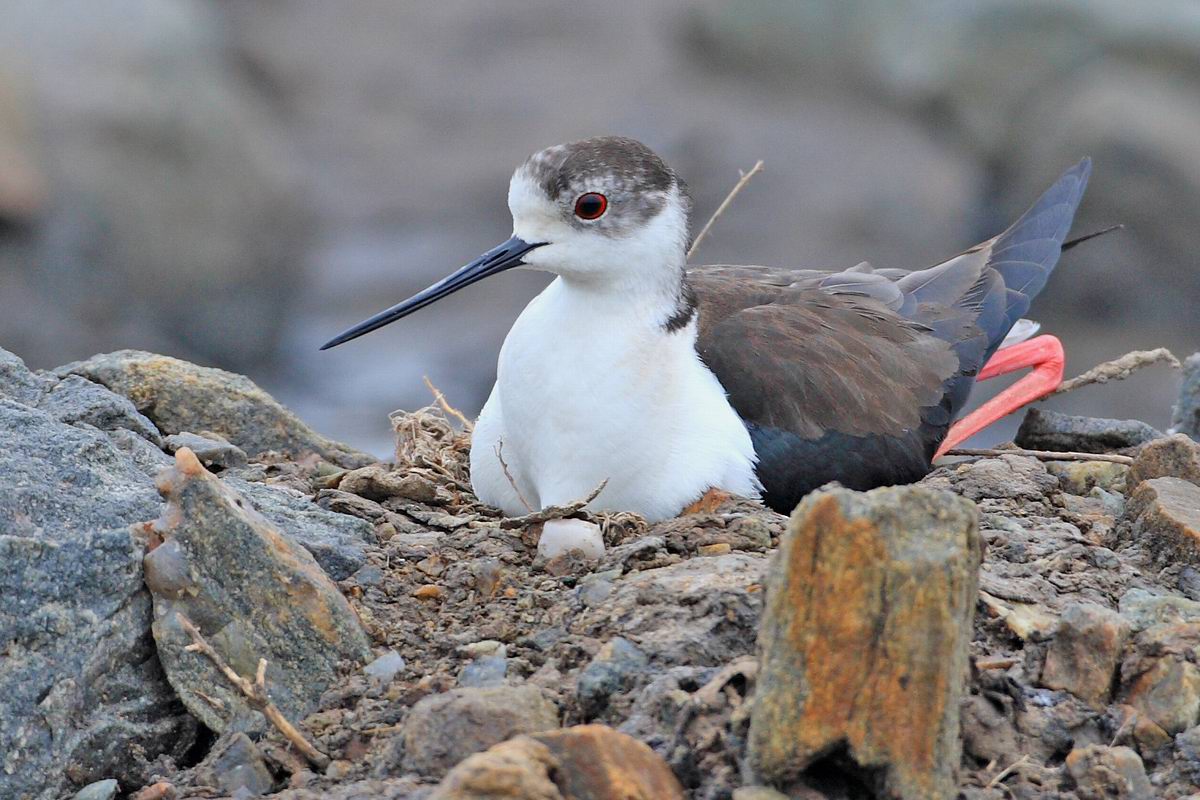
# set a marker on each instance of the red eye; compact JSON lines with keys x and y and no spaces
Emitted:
{"x":591,"y":205}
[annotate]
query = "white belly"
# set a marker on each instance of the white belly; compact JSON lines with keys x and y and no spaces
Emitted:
{"x":583,"y":396}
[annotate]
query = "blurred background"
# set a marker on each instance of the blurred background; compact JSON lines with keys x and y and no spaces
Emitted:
{"x":235,"y":181}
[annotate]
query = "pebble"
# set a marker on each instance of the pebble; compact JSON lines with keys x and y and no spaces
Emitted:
{"x":1082,"y":658}
{"x":1108,"y":773}
{"x":611,"y":670}
{"x":560,"y":536}
{"x":213,"y":452}
{"x":1175,"y":456}
{"x":1050,"y":430}
{"x":385,"y":667}
{"x":100,"y":790}
{"x":428,"y":592}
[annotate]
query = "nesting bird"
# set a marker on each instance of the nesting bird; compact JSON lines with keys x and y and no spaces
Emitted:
{"x":668,"y":380}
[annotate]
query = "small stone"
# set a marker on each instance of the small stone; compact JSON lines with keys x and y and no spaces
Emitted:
{"x":485,"y":671}
{"x":758,"y":793}
{"x":428,"y":591}
{"x":1187,"y":748}
{"x":211,"y":450}
{"x":561,"y":536}
{"x":1081,"y":477}
{"x":385,"y":667}
{"x":445,"y":728}
{"x":883,"y":617}
{"x":1108,"y":773}
{"x":75,"y":400}
{"x":1163,"y":514}
{"x":240,"y":768}
{"x":1176,"y":456}
{"x":1186,"y":418}
{"x":1050,"y":430}
{"x":613,"y":669}
{"x":338,"y":769}
{"x":380,"y":482}
{"x":100,"y":790}
{"x":1085,"y":652}
{"x":1161,"y":679}
{"x":718,"y":549}
{"x":587,"y":762}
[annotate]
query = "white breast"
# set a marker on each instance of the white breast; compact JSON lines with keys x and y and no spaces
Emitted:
{"x":589,"y":390}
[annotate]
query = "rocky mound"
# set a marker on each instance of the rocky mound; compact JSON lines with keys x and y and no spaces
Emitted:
{"x":271,"y":613}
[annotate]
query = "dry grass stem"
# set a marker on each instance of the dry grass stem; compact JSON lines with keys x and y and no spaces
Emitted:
{"x":553,"y":512}
{"x":255,"y":694}
{"x":440,"y":399}
{"x":737,"y":187}
{"x":511,"y":481}
{"x":427,"y":444}
{"x":1119,"y":368}
{"x":1042,"y":455}
{"x":1004,"y":773}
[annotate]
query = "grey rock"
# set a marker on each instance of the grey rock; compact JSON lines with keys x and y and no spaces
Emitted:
{"x":75,"y":400}
{"x":1186,"y":418}
{"x":1187,"y":748}
{"x":1108,"y":773}
{"x":337,"y":541}
{"x":17,"y":382}
{"x":613,"y":669}
{"x":443,"y":729}
{"x":1050,"y":430}
{"x":100,"y":790}
{"x":485,"y":671}
{"x":385,"y":667}
{"x":80,"y":684}
{"x":1009,"y":477}
{"x":1083,"y":657}
{"x":239,"y":768}
{"x":1174,"y":456}
{"x":147,"y":457}
{"x":178,"y":396}
{"x":211,"y":450}
{"x":1163,"y":515}
{"x":1145,"y":609}
{"x":252,"y":592}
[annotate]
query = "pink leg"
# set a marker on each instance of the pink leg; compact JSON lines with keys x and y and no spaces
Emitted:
{"x":1044,"y":354}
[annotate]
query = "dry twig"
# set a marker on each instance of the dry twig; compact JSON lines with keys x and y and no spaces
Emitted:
{"x":511,"y":481}
{"x":1042,"y":455}
{"x":553,"y":512}
{"x":440,"y":399}
{"x":1119,"y":368}
{"x":737,"y":187}
{"x":1004,"y":773}
{"x":255,"y":694}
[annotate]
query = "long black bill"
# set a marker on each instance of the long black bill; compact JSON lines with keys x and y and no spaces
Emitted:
{"x":498,"y":259}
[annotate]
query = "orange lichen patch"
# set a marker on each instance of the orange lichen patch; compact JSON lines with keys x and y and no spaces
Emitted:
{"x":428,"y":592}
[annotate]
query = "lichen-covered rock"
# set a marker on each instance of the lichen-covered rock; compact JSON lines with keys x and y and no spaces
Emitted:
{"x":443,"y":729}
{"x":864,"y":640}
{"x":1050,"y":430}
{"x":1080,"y":477}
{"x":82,"y":695}
{"x":252,"y":592}
{"x":587,"y":762}
{"x":1086,"y":650}
{"x":1163,"y":516}
{"x":179,"y":396}
{"x":1175,"y":456}
{"x":1108,"y":773}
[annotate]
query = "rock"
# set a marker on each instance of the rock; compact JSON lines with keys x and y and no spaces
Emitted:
{"x":1050,"y":430}
{"x":238,"y":768}
{"x":443,"y":729}
{"x":178,"y":396}
{"x":337,"y":541}
{"x":1009,"y":477}
{"x":758,"y":793}
{"x":1081,"y":477}
{"x":1186,"y":418}
{"x":252,"y":592}
{"x":701,"y":612}
{"x":1108,"y":773}
{"x":18,"y":383}
{"x":611,"y":670}
{"x":561,"y":536}
{"x":386,"y":667}
{"x":1163,"y":515}
{"x":100,"y":790}
{"x":380,"y":482}
{"x":1175,"y":456}
{"x":488,"y":670}
{"x":587,"y":762}
{"x":1085,"y":652}
{"x":1144,"y":610}
{"x":75,"y":400}
{"x":1161,"y":679}
{"x":1187,"y":746}
{"x":211,"y":450}
{"x":80,"y":686}
{"x":864,"y":648}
